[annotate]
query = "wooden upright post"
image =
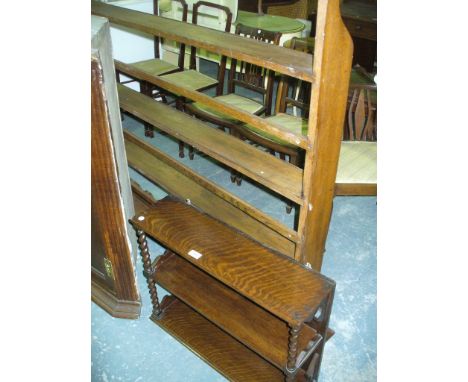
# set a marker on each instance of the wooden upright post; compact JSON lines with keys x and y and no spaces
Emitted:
{"x":332,"y":69}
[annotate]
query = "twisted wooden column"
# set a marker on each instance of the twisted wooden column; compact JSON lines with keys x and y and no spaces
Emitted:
{"x":142,"y":243}
{"x":292,"y":352}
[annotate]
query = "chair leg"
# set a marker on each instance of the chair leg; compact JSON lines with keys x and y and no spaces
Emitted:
{"x":233,"y":175}
{"x":180,"y":106}
{"x":146,"y":89}
{"x":191,"y":155}
{"x":293,"y":159}
{"x":236,"y":177}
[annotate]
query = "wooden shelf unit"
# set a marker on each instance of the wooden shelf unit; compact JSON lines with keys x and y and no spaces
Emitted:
{"x":267,"y":312}
{"x":228,"y":356}
{"x":311,"y":188}
{"x":270,"y":309}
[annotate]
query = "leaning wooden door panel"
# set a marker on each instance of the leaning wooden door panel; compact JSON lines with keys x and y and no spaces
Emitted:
{"x":112,"y":269}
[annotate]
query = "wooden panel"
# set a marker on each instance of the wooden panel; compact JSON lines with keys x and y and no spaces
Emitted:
{"x":332,"y":68}
{"x":295,"y":64}
{"x":274,"y":173}
{"x":361,"y":28}
{"x":108,"y":216}
{"x":116,"y":307}
{"x":228,"y":356}
{"x":276,"y":283}
{"x":182,"y":182}
{"x":244,"y":320}
{"x":261,"y":123}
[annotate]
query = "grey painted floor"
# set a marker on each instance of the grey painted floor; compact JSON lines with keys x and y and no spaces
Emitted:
{"x":139,"y":351}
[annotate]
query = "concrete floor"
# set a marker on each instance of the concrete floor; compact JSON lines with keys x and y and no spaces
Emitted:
{"x":139,"y":351}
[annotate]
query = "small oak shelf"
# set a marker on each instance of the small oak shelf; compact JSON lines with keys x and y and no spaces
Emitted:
{"x":251,"y":313}
{"x":246,"y":321}
{"x":221,"y":351}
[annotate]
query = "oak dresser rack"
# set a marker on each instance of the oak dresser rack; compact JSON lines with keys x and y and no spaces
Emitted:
{"x":246,"y":293}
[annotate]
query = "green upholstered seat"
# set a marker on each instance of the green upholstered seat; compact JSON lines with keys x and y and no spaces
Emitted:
{"x":246,"y":104}
{"x":191,"y":79}
{"x":296,"y":125}
{"x":155,"y":66}
{"x":357,"y":163}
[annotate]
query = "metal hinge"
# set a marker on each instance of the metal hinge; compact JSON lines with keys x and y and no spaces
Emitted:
{"x":109,"y":269}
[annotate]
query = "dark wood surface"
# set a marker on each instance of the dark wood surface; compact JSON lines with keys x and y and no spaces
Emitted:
{"x":113,"y":280}
{"x":298,"y":65}
{"x":274,"y":173}
{"x":275,"y":282}
{"x":244,"y":320}
{"x":360,"y":19}
{"x":228,"y":356}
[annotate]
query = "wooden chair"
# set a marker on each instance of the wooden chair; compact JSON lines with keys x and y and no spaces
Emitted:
{"x":192,"y":78}
{"x":290,"y":93}
{"x":157,"y":66}
{"x":356,"y":173}
{"x":253,"y":79}
{"x":357,"y":166}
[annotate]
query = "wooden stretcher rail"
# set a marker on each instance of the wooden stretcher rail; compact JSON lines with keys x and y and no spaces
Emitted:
{"x":258,"y":122}
{"x":282,"y":60}
{"x":179,"y":180}
{"x":274,"y":173}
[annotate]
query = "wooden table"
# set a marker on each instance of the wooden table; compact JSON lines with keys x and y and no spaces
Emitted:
{"x":288,"y":28}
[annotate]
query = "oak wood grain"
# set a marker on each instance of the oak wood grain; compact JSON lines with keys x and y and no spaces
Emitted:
{"x":228,"y":356}
{"x":278,"y":284}
{"x":108,"y":215}
{"x":247,"y":322}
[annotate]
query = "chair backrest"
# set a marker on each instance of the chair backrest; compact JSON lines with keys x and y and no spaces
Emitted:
{"x":227,"y":28}
{"x":291,"y":91}
{"x":361,"y":114}
{"x":157,"y":39}
{"x":250,"y":76}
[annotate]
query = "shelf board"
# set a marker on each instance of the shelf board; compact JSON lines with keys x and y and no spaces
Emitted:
{"x":282,"y":60}
{"x":177,"y":179}
{"x":241,"y":318}
{"x":274,"y":173}
{"x":142,"y":200}
{"x":278,"y":284}
{"x":226,"y":355}
{"x":260,"y":123}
